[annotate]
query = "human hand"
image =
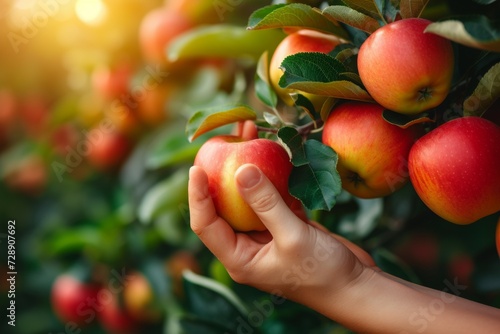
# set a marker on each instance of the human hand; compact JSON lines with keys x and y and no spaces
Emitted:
{"x":295,"y":259}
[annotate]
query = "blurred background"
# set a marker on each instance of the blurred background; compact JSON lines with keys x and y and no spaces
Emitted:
{"x":93,"y":177}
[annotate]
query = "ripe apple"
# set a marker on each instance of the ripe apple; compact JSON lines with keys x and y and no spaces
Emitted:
{"x":222,"y":155}
{"x":111,"y":82}
{"x":69,"y":298}
{"x":107,"y":149}
{"x":158,"y":28}
{"x":372,"y":153}
{"x":139,"y":299}
{"x":299,"y":41}
{"x":455,"y":169}
{"x":114,"y":318}
{"x":404,"y":68}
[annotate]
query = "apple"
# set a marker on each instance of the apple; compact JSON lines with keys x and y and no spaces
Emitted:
{"x":114,"y":318}
{"x":420,"y":250}
{"x":404,"y":68}
{"x":372,"y":153}
{"x":139,"y":299}
{"x":222,"y":155}
{"x":157,"y":29}
{"x":69,"y":298}
{"x":28,"y":175}
{"x":111,"y":82}
{"x":299,"y":41}
{"x":455,"y":169}
{"x":461,"y":267}
{"x":107,"y":149}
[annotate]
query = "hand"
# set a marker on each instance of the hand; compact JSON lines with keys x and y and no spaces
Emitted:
{"x":295,"y":259}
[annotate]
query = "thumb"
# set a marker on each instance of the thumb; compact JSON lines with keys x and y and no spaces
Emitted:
{"x":265,"y":200}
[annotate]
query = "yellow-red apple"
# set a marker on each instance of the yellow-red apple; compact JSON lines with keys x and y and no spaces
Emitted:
{"x":139,"y":299}
{"x":455,"y":169}
{"x":404,"y":68}
{"x":299,"y":41}
{"x":222,"y":155}
{"x":372,"y":152}
{"x":107,"y":149}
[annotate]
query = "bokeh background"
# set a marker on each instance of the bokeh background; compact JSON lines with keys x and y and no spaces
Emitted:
{"x":93,"y":170}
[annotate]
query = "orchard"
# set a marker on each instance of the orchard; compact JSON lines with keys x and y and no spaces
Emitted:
{"x":378,"y":121}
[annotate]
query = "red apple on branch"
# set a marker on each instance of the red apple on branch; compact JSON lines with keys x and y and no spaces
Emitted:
{"x":404,"y":68}
{"x":372,"y":153}
{"x":455,"y":169}
{"x":222,"y":155}
{"x":299,"y":41}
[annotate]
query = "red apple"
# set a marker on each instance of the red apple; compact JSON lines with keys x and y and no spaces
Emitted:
{"x":115,"y":319}
{"x":111,"y":82}
{"x":299,"y":41}
{"x":158,"y":28}
{"x":222,"y":155}
{"x":455,"y":169}
{"x":139,"y":299}
{"x":28,"y":175}
{"x":70,"y":297}
{"x":107,"y":149}
{"x":372,"y":153}
{"x":404,"y":68}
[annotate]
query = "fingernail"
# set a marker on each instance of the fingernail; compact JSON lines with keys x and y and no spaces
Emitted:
{"x":248,"y":176}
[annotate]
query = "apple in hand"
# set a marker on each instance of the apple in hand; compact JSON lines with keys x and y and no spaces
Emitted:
{"x":70,"y":297}
{"x":299,"y":41}
{"x":372,"y":153}
{"x":455,"y":169}
{"x":222,"y":155}
{"x":404,"y":68}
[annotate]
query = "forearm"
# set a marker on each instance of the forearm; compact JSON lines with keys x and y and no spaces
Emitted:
{"x":380,"y":303}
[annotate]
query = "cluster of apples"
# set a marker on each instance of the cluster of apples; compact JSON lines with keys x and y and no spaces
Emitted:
{"x":454,"y":168}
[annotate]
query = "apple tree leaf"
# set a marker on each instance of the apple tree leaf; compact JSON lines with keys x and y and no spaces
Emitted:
{"x":295,"y":15}
{"x":367,"y":7}
{"x":405,"y":121}
{"x":485,"y":93}
{"x":209,"y":119}
{"x":212,"y":301}
{"x":314,"y":179}
{"x":225,"y":41}
{"x":412,"y":8}
{"x":352,"y":18}
{"x":263,"y":88}
{"x":320,"y":74}
{"x":484,"y":2}
{"x":474,"y":31}
{"x":388,"y":9}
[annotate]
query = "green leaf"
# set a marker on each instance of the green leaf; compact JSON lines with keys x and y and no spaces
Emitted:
{"x":388,"y":9}
{"x":314,"y":180}
{"x":366,"y":7}
{"x":473,"y":31}
{"x":209,"y":119}
{"x":263,"y":88}
{"x":164,"y":195}
{"x":320,"y":74}
{"x":172,"y":150}
{"x":485,"y":94}
{"x":391,"y":264}
{"x":195,"y":325}
{"x":212,"y":301}
{"x":412,"y":8}
{"x":352,"y":17}
{"x":405,"y":121}
{"x":225,"y":41}
{"x":294,"y":15}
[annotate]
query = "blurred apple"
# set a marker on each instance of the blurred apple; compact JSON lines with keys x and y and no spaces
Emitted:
{"x":8,"y":116}
{"x":70,"y":297}
{"x":34,"y":112}
{"x":111,"y":82}
{"x":115,"y":319}
{"x":158,"y":28}
{"x":139,"y":299}
{"x":461,"y":267}
{"x":107,"y":149}
{"x":28,"y":175}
